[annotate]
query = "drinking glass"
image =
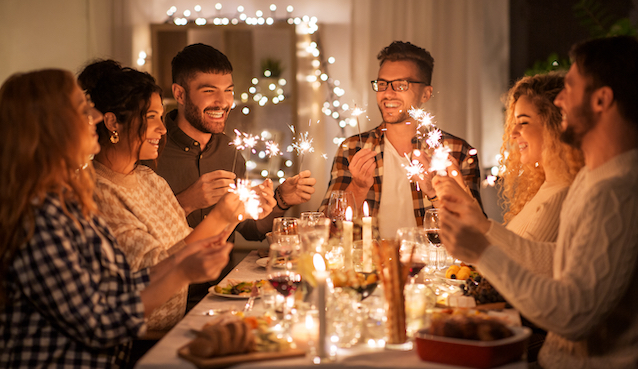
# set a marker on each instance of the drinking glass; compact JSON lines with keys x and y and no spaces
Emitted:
{"x":336,"y":211}
{"x":413,"y":249}
{"x":438,"y":255}
{"x":285,"y":232}
{"x":312,"y":215}
{"x":282,"y":274}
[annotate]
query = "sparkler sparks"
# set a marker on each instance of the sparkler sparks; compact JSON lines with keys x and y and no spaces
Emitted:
{"x":248,"y":196}
{"x":272,"y":149}
{"x":414,"y":168}
{"x":434,"y":138}
{"x":440,"y":160}
{"x":244,"y":141}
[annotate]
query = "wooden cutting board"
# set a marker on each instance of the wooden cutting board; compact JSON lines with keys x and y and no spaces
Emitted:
{"x":226,"y":361}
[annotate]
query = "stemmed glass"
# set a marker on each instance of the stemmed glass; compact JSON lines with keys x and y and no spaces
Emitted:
{"x":431,"y":225}
{"x":336,"y":211}
{"x":413,"y":245}
{"x":282,"y":273}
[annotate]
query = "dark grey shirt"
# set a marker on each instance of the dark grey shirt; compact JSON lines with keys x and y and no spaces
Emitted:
{"x":183,"y":161}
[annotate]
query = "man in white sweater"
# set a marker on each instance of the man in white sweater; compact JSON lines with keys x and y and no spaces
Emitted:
{"x":590,"y":305}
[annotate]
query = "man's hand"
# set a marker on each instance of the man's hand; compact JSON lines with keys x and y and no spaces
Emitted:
{"x":362,"y":168}
{"x":297,"y":189}
{"x":460,"y":240}
{"x":206,"y":191}
{"x":456,"y":200}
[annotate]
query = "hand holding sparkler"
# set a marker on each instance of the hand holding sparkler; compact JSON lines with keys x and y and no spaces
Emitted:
{"x":297,"y":189}
{"x":206,"y":191}
{"x":456,"y":199}
{"x":266,"y":195}
{"x":362,"y":167}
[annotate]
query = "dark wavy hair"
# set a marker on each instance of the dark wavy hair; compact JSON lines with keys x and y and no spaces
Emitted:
{"x":125,"y":92}
{"x":198,"y":58}
{"x":399,"y":51}
{"x":613,"y":62}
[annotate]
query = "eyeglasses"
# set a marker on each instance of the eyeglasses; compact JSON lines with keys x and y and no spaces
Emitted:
{"x":399,"y":85}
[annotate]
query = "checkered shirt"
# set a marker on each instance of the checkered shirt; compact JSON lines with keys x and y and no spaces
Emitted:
{"x":373,"y":140}
{"x":70,"y":303}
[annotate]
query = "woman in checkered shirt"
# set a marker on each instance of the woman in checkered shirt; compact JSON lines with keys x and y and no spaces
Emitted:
{"x":67,"y":295}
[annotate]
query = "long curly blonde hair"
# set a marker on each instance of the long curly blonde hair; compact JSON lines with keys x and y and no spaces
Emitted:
{"x":42,"y":148}
{"x":521,"y":182}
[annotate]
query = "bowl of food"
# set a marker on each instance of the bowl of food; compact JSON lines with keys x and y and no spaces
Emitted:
{"x":471,"y":341}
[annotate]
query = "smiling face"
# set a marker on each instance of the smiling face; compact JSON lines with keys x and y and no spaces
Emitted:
{"x":394,"y":105}
{"x":208,"y":100}
{"x":528,"y":131}
{"x":154,"y":129}
{"x":574,"y":102}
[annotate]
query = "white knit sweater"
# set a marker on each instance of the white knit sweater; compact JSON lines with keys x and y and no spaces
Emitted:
{"x":149,"y":224}
{"x":537,"y":221}
{"x":590,"y":306}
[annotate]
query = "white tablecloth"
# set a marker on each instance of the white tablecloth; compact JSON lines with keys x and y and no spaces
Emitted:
{"x":164,"y":353}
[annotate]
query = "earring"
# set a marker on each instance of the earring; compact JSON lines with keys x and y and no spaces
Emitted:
{"x":115,"y":137}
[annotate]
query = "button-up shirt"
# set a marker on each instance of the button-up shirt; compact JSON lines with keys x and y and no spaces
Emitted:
{"x":72,"y":301}
{"x":341,"y":177}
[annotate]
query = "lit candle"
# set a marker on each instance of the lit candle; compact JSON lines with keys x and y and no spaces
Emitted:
{"x":321,"y":276}
{"x":347,"y":239}
{"x":366,"y":236}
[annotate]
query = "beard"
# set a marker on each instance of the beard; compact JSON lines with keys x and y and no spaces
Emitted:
{"x":197,"y":119}
{"x":582,"y":121}
{"x":401,"y":117}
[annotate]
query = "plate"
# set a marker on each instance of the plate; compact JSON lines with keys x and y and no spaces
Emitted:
{"x":263,"y":262}
{"x":457,"y":282}
{"x":225,"y":361}
{"x":227,"y":295}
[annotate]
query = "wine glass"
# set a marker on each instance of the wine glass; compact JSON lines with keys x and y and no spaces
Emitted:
{"x":282,"y":274}
{"x":285,"y":232}
{"x":413,"y":245}
{"x":336,"y":211}
{"x":312,"y":215}
{"x":431,"y":225}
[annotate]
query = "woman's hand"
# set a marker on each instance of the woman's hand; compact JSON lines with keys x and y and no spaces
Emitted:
{"x":266,"y":198}
{"x":456,"y":200}
{"x":207,"y":262}
{"x":461,"y":241}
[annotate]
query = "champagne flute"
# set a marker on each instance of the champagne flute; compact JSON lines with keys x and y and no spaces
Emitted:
{"x":413,"y":244}
{"x":431,"y":225}
{"x":285,"y":232}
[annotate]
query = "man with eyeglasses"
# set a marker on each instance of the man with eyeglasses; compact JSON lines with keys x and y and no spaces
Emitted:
{"x":371,"y":165}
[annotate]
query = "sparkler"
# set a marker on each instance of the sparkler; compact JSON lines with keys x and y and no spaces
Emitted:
{"x":414,"y":168}
{"x":301,"y":145}
{"x":355,"y":113}
{"x":272,"y":149}
{"x":248,"y":196}
{"x":440,"y":160}
{"x":243,"y":141}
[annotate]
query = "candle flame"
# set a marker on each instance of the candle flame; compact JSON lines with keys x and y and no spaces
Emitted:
{"x":366,"y":209}
{"x":319,"y":263}
{"x":349,"y":214}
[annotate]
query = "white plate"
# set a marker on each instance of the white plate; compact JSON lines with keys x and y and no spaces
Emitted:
{"x":441,"y":275}
{"x":263,"y":262}
{"x":213,"y":292}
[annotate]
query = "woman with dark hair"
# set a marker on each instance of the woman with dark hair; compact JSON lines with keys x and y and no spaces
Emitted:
{"x":138,"y":205}
{"x":68,"y":297}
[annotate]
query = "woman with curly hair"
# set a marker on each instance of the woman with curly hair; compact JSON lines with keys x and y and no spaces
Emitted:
{"x":538,"y":167}
{"x":68,"y":297}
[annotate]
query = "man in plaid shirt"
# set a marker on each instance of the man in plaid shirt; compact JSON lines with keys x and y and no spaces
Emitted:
{"x":367,"y":163}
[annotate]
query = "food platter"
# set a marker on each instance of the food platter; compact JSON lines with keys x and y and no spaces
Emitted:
{"x":226,"y":361}
{"x":242,"y":292}
{"x":263,"y":262}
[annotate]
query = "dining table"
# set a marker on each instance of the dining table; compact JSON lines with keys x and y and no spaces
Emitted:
{"x":164,"y":354}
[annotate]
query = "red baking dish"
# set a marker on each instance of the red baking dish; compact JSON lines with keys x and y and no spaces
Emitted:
{"x":469,"y":353}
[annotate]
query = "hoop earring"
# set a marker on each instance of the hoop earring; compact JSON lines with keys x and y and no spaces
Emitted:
{"x":115,"y":137}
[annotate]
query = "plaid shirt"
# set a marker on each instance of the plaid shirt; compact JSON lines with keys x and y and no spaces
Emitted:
{"x":374,"y":140}
{"x":70,"y":302}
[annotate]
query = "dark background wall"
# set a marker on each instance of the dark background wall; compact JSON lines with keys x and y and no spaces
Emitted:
{"x":541,"y":27}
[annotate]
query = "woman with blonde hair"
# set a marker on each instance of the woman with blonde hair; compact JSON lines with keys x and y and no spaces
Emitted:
{"x":538,"y":168}
{"x":67,"y":294}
